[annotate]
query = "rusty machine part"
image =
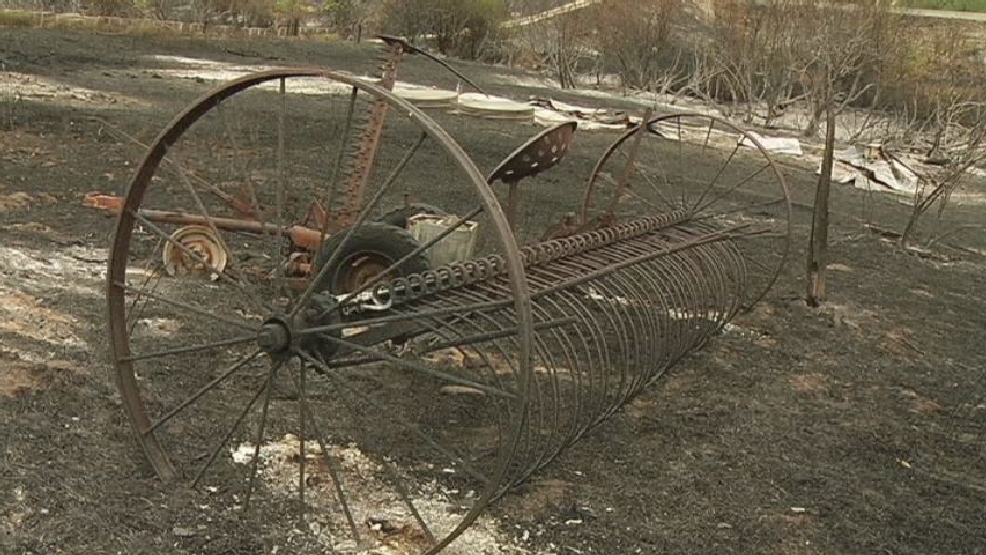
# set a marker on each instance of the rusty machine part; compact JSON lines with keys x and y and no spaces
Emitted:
{"x":344,"y":210}
{"x":542,"y":152}
{"x":249,"y":216}
{"x":210,"y":255}
{"x":651,"y":168}
{"x":416,"y":399}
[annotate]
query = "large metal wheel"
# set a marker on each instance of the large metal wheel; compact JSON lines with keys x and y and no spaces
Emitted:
{"x":235,"y":375}
{"x":709,"y":173}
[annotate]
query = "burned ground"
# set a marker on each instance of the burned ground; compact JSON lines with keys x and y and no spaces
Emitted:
{"x":858,"y":427}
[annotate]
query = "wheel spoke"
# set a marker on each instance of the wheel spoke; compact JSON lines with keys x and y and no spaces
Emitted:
{"x":261,"y":426}
{"x":185,"y":306}
{"x":444,"y":451}
{"x":715,"y":179}
{"x":210,"y":222}
{"x":268,"y":230}
{"x":137,"y":307}
{"x":394,"y":474}
{"x":757,"y":263}
{"x":213,"y":188}
{"x":333,"y":182}
{"x":278,"y":271}
{"x":631,"y":163}
{"x":681,"y":161}
{"x":348,"y":234}
{"x":714,"y":215}
{"x":334,"y":471}
{"x":397,"y":318}
{"x":202,"y":391}
{"x":384,"y":357}
{"x":232,"y":430}
{"x":409,"y":256}
{"x":223,"y":275}
{"x":657,"y":191}
{"x":708,"y":136}
{"x":404,"y":161}
{"x":733,"y":189}
{"x":192,"y":348}
{"x":302,"y":435}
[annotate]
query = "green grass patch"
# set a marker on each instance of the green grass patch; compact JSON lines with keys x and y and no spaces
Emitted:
{"x":955,"y":5}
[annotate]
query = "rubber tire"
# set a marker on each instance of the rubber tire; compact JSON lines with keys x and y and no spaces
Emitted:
{"x":388,"y":241}
{"x":399,"y":216}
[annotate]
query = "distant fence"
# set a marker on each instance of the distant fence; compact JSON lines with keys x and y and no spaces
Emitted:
{"x":56,"y":19}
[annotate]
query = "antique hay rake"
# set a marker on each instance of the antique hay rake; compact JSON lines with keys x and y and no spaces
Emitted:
{"x":402,"y":379}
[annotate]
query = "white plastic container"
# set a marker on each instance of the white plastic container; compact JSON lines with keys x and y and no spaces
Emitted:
{"x":458,"y":246}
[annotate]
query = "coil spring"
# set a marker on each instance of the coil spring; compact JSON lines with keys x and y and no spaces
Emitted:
{"x":461,"y":274}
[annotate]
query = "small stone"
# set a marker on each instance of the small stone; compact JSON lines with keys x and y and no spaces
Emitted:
{"x":183,"y":532}
{"x":724,"y":526}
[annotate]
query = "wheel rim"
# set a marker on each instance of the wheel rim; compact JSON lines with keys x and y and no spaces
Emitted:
{"x":200,"y":241}
{"x":710,"y":172}
{"x":357,"y":270}
{"x":128,"y":296}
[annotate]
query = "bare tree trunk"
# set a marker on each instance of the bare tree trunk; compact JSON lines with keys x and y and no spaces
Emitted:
{"x":908,"y":233}
{"x":816,"y":116}
{"x":818,"y":244}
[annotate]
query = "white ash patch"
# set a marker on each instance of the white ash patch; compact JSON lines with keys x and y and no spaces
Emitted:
{"x":29,"y":276}
{"x":18,"y":86}
{"x":157,"y":327}
{"x":185,"y":60}
{"x":77,"y":270}
{"x":294,"y":85}
{"x":385,"y":522}
{"x":743,"y":332}
{"x":211,"y":70}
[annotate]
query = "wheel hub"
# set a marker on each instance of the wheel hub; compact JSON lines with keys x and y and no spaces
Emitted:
{"x":274,"y":336}
{"x":279,"y":334}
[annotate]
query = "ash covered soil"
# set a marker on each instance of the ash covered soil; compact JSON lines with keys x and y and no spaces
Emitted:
{"x":859,"y":427}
